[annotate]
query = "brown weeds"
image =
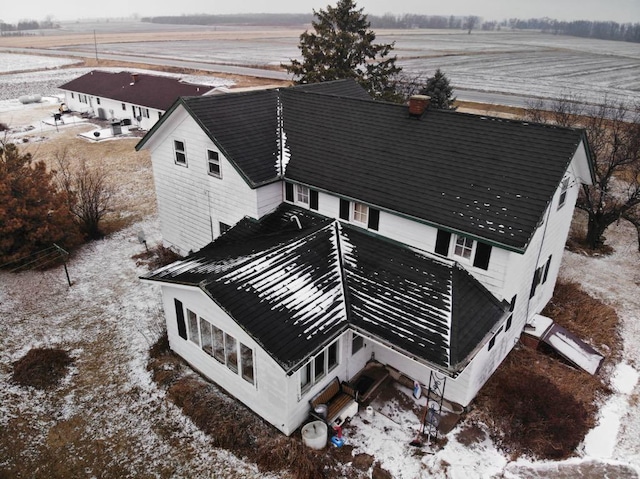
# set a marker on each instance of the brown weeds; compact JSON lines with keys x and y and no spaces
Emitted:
{"x":41,"y":367}
{"x":536,"y":403}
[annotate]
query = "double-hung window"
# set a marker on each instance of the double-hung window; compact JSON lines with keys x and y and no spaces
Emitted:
{"x":213,"y":163}
{"x":180,"y":152}
{"x":564,"y":187}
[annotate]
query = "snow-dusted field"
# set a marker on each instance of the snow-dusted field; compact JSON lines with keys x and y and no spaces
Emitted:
{"x":11,"y":62}
{"x":519,"y":63}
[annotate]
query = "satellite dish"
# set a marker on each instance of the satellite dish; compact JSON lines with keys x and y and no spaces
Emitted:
{"x":138,"y":118}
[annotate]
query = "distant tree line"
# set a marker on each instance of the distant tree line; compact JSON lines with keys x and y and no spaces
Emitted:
{"x":629,"y":32}
{"x":24,"y":25}
{"x":239,"y":19}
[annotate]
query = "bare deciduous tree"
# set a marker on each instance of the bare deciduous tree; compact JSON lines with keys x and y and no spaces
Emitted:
{"x":89,"y":191}
{"x":613,"y":132}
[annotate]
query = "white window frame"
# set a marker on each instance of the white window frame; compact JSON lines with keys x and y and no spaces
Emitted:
{"x":213,"y":158}
{"x":193,"y":327}
{"x":243,"y":367}
{"x":318,"y":367}
{"x":462,"y":249}
{"x":302,"y":194}
{"x":178,"y":153}
{"x":360,"y":213}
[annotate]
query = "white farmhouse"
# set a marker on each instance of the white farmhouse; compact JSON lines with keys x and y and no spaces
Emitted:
{"x":139,"y":99}
{"x":354,"y":230}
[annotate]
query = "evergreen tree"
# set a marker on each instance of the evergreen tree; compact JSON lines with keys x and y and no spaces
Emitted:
{"x":440,"y":91}
{"x":342,"y":46}
{"x":33,"y":214}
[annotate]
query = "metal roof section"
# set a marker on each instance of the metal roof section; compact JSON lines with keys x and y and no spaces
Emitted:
{"x":296,"y":291}
{"x":565,"y":343}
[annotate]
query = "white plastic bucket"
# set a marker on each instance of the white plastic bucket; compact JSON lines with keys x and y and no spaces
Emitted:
{"x":314,"y":434}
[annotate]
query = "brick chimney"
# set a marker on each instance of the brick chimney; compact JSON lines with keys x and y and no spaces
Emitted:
{"x":418,"y":104}
{"x":134,"y":78}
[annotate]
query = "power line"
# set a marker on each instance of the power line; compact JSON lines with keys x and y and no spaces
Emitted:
{"x":39,"y":259}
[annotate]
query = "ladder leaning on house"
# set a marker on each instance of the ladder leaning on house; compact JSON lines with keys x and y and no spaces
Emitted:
{"x":433,"y":412}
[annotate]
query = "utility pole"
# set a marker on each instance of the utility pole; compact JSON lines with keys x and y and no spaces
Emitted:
{"x":63,"y":254}
{"x":95,"y":44}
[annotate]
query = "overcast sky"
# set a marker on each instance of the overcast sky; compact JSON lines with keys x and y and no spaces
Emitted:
{"x":622,"y":11}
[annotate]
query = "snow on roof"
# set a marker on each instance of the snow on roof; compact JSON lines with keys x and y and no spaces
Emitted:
{"x":300,"y":289}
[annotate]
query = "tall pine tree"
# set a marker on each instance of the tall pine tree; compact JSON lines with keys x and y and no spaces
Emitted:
{"x":33,"y":213}
{"x":343,"y":47}
{"x":440,"y":91}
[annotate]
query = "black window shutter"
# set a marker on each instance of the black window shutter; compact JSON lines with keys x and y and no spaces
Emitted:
{"x":182,"y":328}
{"x":374,"y":219}
{"x":344,"y":209}
{"x":442,"y":242}
{"x":483,"y":254}
{"x":288,"y":191}
{"x":313,"y":199}
{"x":546,"y":270}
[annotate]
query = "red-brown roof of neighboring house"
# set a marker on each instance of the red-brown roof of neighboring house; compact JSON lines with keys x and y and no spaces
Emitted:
{"x":152,"y":91}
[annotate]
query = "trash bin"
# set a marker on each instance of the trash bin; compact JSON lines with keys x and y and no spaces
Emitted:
{"x":321,"y":410}
{"x":116,"y":129}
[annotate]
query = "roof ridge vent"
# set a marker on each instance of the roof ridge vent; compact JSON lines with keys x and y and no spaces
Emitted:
{"x":418,"y":104}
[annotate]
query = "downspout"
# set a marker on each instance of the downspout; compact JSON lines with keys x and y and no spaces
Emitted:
{"x":544,"y":233}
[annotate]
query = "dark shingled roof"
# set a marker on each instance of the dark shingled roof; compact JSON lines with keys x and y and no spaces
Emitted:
{"x":487,"y":177}
{"x":152,"y":91}
{"x":245,"y":128}
{"x":295,"y":290}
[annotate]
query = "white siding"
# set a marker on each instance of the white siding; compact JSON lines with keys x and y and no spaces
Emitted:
{"x":192,"y":203}
{"x":113,"y":109}
{"x":549,"y":240}
{"x":269,"y":397}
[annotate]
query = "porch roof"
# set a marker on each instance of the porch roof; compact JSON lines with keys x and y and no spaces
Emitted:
{"x":296,"y":290}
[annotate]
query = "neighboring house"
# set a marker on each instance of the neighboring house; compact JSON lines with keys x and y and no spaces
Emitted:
{"x":138,"y":98}
{"x":425,"y":239}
